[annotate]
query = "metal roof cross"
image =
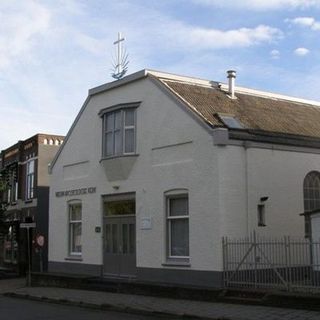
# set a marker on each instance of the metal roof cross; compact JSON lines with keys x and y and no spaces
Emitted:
{"x":120,"y":65}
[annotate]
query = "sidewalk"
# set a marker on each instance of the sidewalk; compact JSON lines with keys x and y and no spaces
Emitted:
{"x":155,"y":305}
{"x":11,"y":284}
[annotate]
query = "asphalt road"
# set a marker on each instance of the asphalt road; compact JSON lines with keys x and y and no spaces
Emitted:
{"x":17,"y":309}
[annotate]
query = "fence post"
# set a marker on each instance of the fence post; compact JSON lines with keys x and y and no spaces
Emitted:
{"x":288,"y":262}
{"x":255,"y":258}
{"x":311,"y":261}
{"x":224,"y":258}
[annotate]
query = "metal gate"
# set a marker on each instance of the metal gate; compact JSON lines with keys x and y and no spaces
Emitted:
{"x":286,"y":264}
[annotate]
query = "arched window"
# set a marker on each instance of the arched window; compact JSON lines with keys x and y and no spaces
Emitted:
{"x":311,"y":198}
{"x":311,"y":191}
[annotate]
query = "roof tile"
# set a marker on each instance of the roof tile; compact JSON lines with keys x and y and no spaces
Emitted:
{"x":254,"y":112}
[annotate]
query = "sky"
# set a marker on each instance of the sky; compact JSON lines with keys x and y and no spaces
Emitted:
{"x":53,"y":51}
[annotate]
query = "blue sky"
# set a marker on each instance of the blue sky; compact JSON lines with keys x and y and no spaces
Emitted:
{"x":53,"y":51}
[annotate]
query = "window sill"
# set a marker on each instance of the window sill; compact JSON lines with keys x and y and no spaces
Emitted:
{"x":119,"y":156}
{"x":177,"y":263}
{"x":10,"y":262}
{"x":73,"y":258}
{"x":28,"y":201}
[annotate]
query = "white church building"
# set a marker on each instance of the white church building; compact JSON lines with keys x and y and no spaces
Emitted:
{"x":157,"y":168}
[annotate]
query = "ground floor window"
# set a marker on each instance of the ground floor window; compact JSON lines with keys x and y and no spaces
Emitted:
{"x":75,"y":228}
{"x":178,"y":226}
{"x":311,"y":198}
{"x":10,"y":246}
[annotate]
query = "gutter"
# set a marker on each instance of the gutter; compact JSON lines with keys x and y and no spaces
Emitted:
{"x":274,"y":138}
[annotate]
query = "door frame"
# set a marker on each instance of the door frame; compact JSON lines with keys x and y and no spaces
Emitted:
{"x":105,"y":218}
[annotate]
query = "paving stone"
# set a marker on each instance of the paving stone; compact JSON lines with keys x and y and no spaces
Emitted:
{"x":11,"y":284}
{"x":162,"y":305}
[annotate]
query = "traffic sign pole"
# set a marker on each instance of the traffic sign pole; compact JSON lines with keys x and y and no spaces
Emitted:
{"x":28,"y":226}
{"x":29,"y":257}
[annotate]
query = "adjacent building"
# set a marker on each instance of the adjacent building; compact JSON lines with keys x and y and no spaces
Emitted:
{"x":157,"y":168}
{"x":25,"y":192}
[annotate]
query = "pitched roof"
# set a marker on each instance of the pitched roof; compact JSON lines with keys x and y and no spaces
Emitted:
{"x":265,"y":113}
{"x":255,"y":110}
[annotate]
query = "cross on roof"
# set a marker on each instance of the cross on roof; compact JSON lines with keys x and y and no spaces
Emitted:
{"x":120,"y":66}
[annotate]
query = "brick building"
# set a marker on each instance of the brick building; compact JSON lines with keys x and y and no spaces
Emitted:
{"x":25,"y":192}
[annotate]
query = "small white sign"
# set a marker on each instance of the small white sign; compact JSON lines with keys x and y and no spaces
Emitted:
{"x":146,"y":223}
{"x":28,"y":225}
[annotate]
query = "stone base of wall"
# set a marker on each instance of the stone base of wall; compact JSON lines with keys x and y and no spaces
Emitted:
{"x":177,"y":277}
{"x":204,"y":279}
{"x":92,"y":270}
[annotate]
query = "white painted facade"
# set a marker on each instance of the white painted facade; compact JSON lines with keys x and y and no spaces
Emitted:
{"x":315,"y":225}
{"x":175,"y":150}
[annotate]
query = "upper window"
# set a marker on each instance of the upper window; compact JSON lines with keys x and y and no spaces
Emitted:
{"x":178,"y":226}
{"x":30,"y":179}
{"x":119,"y":130}
{"x":12,"y":186}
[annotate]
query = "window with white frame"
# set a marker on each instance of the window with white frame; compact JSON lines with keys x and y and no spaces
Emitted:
{"x":178,"y":226}
{"x":75,"y":228}
{"x":311,"y":197}
{"x":12,"y":185}
{"x":119,"y":131}
{"x":13,"y":192}
{"x":30,"y":179}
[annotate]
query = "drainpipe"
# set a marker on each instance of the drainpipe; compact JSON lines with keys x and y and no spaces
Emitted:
{"x":246,"y":147}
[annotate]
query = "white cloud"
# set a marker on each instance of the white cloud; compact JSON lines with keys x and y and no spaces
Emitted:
{"x":305,"y":22}
{"x":90,"y":44}
{"x":45,"y":46}
{"x":21,"y":24}
{"x":301,"y":51}
{"x":243,"y":37}
{"x":260,"y":4}
{"x":275,"y":54}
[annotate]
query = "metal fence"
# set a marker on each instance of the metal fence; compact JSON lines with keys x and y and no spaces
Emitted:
{"x":286,"y":264}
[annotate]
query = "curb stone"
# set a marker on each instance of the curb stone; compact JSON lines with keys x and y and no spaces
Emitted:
{"x":109,"y":307}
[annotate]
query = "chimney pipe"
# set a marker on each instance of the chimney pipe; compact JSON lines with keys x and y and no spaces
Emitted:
{"x":231,"y":77}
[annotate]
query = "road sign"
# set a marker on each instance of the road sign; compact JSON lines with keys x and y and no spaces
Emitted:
{"x":40,"y":240}
{"x":28,"y":225}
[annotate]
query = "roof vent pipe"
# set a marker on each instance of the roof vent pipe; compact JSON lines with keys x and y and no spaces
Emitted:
{"x":231,"y":77}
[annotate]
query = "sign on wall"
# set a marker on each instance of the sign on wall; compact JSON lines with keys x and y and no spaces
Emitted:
{"x":26,"y":225}
{"x":75,"y":192}
{"x":146,"y":223}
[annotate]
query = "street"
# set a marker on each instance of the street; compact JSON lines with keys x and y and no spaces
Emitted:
{"x":17,"y":309}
